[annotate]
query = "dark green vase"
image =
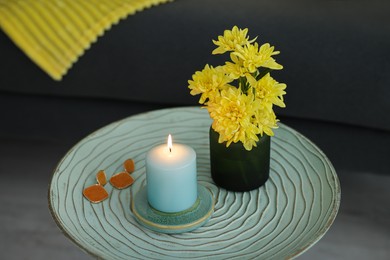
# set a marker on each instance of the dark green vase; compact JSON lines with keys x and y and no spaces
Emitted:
{"x":236,"y":169}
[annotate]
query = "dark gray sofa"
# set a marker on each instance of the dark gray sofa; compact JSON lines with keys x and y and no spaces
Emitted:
{"x":336,"y":57}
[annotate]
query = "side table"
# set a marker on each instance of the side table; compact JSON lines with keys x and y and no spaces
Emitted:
{"x":282,"y":219}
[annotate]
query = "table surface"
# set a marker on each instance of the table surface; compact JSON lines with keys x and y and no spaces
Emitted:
{"x":282,"y":219}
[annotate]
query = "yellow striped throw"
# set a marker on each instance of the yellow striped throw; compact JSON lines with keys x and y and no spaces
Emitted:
{"x":55,"y":33}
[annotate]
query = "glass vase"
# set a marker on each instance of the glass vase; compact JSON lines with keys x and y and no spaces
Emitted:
{"x":236,"y":169}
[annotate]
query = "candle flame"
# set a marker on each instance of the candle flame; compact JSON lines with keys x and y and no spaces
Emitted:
{"x":170,"y":143}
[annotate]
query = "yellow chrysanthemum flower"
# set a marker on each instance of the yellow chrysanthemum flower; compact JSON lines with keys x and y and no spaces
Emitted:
{"x":266,"y":52}
{"x":266,"y":121}
{"x":268,"y":90}
{"x":254,"y":57}
{"x":208,"y":83}
{"x":232,"y":113}
{"x":236,"y":68}
{"x":230,"y":39}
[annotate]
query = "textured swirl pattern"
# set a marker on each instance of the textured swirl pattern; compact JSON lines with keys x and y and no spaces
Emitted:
{"x":291,"y":212}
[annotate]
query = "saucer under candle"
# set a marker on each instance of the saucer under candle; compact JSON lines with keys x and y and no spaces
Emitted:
{"x":173,"y":223}
{"x":171,"y":177}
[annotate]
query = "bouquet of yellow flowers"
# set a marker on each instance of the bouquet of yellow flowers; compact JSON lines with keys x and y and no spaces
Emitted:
{"x":240,"y":94}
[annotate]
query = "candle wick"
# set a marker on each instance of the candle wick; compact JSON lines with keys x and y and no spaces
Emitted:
{"x":170,"y":150}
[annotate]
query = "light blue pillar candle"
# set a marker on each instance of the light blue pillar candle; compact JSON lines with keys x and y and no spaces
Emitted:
{"x":171,"y":177}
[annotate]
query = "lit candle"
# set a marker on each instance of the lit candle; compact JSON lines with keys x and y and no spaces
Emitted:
{"x":171,"y":177}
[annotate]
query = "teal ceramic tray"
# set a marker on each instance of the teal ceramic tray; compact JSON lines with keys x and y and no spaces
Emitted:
{"x":282,"y":219}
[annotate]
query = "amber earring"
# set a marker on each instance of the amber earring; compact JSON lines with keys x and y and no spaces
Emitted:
{"x":123,"y":179}
{"x":97,"y":193}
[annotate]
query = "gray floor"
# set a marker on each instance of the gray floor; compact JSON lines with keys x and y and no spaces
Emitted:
{"x":27,"y":231}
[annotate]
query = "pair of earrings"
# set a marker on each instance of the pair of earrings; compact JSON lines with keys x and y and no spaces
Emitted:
{"x":97,"y":193}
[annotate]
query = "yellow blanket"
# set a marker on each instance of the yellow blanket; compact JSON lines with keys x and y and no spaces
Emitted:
{"x":55,"y":33}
